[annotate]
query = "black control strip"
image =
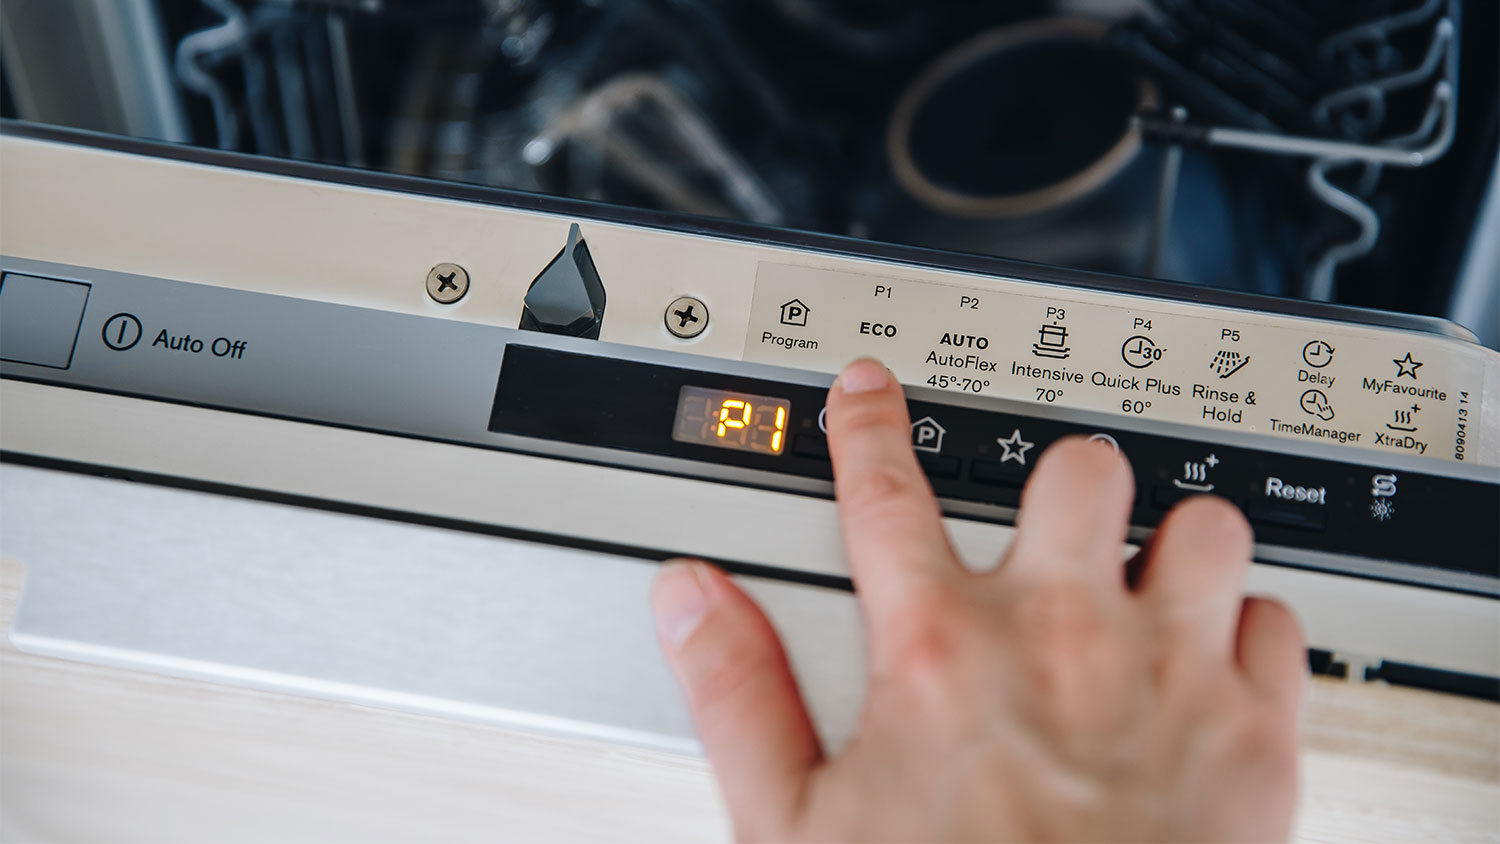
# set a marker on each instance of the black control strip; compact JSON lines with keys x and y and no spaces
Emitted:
{"x":985,"y":456}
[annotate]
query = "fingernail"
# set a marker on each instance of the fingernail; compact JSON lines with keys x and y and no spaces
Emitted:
{"x":678,"y":601}
{"x":864,"y":375}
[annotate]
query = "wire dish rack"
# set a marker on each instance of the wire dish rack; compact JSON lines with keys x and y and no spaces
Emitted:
{"x":1332,"y":102}
{"x":1340,"y":91}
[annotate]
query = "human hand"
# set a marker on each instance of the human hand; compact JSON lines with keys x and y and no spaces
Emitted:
{"x":1063,"y":696}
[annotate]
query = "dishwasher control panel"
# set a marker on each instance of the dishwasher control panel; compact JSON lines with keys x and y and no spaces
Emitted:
{"x":1343,"y":507}
{"x":973,"y":453}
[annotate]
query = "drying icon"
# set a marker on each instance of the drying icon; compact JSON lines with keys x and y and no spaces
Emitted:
{"x":1403,"y":420}
{"x":1195,"y":474}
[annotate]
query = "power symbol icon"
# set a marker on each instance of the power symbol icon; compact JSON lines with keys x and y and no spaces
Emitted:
{"x":121,"y":332}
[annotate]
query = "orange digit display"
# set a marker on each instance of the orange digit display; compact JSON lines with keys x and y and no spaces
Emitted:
{"x":741,"y":408}
{"x":731,"y":420}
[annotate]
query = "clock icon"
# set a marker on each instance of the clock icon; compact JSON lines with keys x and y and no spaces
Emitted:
{"x":1140,"y":351}
{"x":1317,"y":354}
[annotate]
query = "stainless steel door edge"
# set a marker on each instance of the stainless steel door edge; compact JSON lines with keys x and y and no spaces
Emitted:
{"x":376,"y":612}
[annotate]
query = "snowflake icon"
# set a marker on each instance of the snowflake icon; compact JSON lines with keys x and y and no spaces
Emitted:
{"x":1381,"y":509}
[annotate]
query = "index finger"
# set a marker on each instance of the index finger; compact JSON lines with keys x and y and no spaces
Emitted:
{"x":892,"y":527}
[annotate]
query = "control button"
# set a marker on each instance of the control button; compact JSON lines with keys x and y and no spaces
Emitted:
{"x":1015,"y":447}
{"x":810,"y":445}
{"x":1164,"y":497}
{"x":1317,"y":354}
{"x":996,"y":473}
{"x":1406,"y":366}
{"x":938,"y":465}
{"x":567,"y":296}
{"x":1106,"y":438}
{"x":686,"y":317}
{"x":1291,"y":505}
{"x":823,"y":420}
{"x":1297,"y":516}
{"x":1006,"y":480}
{"x":927,"y":435}
{"x":39,"y":319}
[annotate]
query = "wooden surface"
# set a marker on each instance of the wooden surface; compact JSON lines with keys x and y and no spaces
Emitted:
{"x":96,"y":754}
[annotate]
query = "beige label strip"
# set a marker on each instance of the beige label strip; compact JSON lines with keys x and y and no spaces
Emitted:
{"x":1218,"y":368}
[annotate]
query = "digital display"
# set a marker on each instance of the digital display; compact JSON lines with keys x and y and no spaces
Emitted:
{"x":731,"y":420}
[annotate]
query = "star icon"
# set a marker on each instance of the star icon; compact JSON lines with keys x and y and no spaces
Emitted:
{"x":1015,"y":447}
{"x":1406,"y":366}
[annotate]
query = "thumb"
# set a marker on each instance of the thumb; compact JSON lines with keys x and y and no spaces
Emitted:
{"x":750,"y":716}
